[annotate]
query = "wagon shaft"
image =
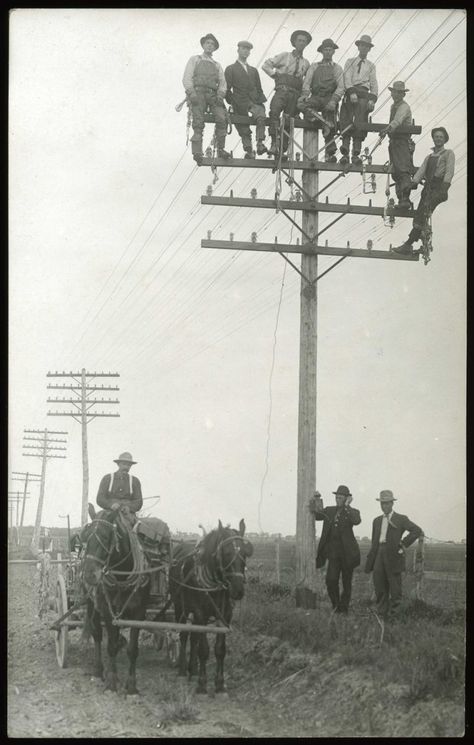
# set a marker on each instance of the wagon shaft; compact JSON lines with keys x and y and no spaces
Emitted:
{"x":157,"y":625}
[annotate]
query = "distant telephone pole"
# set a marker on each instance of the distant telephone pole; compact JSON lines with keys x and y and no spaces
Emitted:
{"x":26,"y":477}
{"x":80,"y":397}
{"x":41,"y":449}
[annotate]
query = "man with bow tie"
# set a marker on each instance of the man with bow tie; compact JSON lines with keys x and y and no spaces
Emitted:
{"x":337,"y":545}
{"x":245,"y":95}
{"x":386,"y":557}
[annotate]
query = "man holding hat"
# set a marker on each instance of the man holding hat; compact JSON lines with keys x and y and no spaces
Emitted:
{"x":288,"y":69}
{"x":245,"y":95}
{"x":205,"y":86}
{"x":323,"y":87}
{"x":400,"y":147}
{"x":337,"y":545}
{"x":437,"y":171}
{"x":386,"y":556}
{"x":120,"y":489}
{"x":361,"y":91}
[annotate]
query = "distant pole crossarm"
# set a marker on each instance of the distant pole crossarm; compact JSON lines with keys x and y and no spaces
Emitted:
{"x":84,"y":413}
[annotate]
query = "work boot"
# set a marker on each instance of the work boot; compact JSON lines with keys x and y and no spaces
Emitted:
{"x":261,"y":149}
{"x":221,"y":153}
{"x":344,"y":160}
{"x":405,"y":248}
{"x":198,"y":158}
{"x":248,"y":152}
{"x":330,"y":158}
{"x":356,"y":160}
{"x":405,"y":204}
{"x":272,"y":150}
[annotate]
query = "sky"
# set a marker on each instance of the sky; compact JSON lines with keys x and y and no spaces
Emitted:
{"x":107,"y":273}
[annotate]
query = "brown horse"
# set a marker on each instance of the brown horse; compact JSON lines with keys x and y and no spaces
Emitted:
{"x":112,"y":576}
{"x":204,"y":580}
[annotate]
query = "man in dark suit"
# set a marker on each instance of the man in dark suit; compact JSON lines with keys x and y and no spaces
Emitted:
{"x":387,"y":553}
{"x":245,"y":95}
{"x":337,"y":545}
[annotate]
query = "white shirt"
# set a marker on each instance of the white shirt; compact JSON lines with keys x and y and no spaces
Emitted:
{"x":243,"y":65}
{"x":383,"y":530}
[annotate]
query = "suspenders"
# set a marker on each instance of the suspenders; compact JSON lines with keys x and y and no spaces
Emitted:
{"x":129,"y":481}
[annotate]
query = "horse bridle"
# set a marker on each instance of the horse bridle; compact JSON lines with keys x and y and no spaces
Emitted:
{"x":237,"y":552}
{"x":114,"y":544}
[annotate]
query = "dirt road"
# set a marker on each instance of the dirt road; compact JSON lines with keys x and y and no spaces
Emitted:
{"x":273,"y":690}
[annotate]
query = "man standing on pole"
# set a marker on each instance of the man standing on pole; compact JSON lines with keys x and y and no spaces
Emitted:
{"x":288,"y":69}
{"x":323,"y":87}
{"x":205,"y":85}
{"x":245,"y":95}
{"x":361,"y":91}
{"x":337,"y":545}
{"x":401,"y":145}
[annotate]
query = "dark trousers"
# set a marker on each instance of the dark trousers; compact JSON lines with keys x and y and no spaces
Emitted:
{"x":431,"y":196}
{"x":337,"y":568}
{"x":353,"y":113}
{"x":387,"y":584}
{"x":257,"y":111}
{"x":207,"y":97}
{"x":284,"y":99}
{"x":402,"y":165}
{"x":319,"y":103}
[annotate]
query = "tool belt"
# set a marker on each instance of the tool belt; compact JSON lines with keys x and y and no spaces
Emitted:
{"x":288,"y":82}
{"x":360,"y":90}
{"x":206,"y":87}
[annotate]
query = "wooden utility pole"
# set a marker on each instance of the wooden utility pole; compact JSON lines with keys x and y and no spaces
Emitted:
{"x":26,"y":477}
{"x":306,"y":578}
{"x":83,"y":413}
{"x":42,"y":449}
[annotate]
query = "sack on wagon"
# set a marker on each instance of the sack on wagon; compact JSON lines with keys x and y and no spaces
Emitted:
{"x":154,"y":535}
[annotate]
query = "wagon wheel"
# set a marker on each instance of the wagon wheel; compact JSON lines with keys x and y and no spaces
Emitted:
{"x":62,"y":638}
{"x":43,"y":586}
{"x":60,"y":566}
{"x":172,"y":646}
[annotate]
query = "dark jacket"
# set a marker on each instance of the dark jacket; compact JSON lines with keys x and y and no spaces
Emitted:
{"x":399,"y":524}
{"x":243,"y":89}
{"x":349,"y":517}
{"x":120,"y":491}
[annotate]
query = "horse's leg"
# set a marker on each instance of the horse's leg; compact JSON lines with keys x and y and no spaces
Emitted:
{"x":203,"y":658}
{"x":132,"y":653}
{"x":219,"y":649}
{"x":183,"y":638}
{"x":193,"y":655}
{"x":96,"y":631}
{"x":113,"y":634}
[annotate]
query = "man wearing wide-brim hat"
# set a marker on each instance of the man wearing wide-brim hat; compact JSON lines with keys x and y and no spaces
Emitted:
{"x":205,"y":87}
{"x":120,"y":489}
{"x":337,"y":545}
{"x":361,"y":91}
{"x":245,"y":95}
{"x":386,"y":557}
{"x":288,"y":70}
{"x":436,"y":171}
{"x":323,"y":87}
{"x":401,"y":145}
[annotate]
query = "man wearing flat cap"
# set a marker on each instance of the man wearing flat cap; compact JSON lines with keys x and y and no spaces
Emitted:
{"x":121,"y":490}
{"x":288,"y":69}
{"x":245,"y":95}
{"x":361,"y":91}
{"x":437,"y":171}
{"x":386,"y":557}
{"x":323,"y":87}
{"x":205,"y":87}
{"x":400,"y":148}
{"x":337,"y":545}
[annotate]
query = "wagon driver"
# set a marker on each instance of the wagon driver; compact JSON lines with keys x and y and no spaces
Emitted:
{"x":120,"y":490}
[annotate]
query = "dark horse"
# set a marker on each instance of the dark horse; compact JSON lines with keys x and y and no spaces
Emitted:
{"x":204,"y":580}
{"x":112,"y":576}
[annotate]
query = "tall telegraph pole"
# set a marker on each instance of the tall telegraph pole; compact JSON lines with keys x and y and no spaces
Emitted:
{"x":42,"y":449}
{"x":26,"y":477}
{"x":310,"y":250}
{"x":80,"y":397}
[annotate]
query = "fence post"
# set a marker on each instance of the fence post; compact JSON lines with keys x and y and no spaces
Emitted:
{"x":277,"y":559}
{"x":418,"y":566}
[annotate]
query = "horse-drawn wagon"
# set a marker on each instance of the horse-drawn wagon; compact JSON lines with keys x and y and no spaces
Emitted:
{"x":133,"y":577}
